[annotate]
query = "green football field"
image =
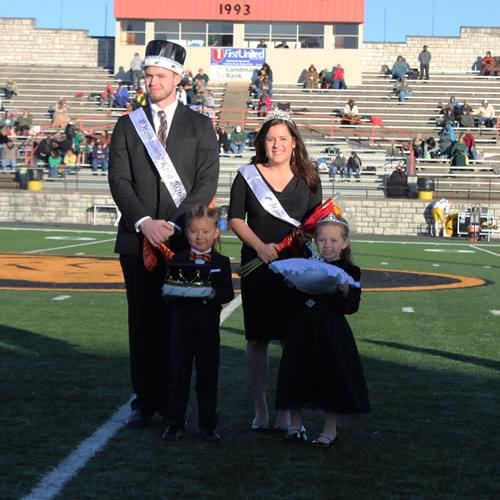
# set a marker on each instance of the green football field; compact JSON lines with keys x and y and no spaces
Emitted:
{"x":431,"y":359}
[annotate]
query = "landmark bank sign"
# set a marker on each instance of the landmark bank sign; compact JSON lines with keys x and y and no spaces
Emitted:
{"x":230,"y":63}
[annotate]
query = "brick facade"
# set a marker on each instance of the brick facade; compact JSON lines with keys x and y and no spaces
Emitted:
{"x":24,"y":44}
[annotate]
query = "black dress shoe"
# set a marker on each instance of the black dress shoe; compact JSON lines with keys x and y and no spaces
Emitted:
{"x":137,"y":420}
{"x":211,"y":436}
{"x":173,"y":433}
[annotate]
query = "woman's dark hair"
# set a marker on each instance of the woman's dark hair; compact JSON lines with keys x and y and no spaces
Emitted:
{"x":300,"y":164}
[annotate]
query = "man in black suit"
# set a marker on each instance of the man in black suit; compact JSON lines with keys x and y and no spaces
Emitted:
{"x":152,"y":204}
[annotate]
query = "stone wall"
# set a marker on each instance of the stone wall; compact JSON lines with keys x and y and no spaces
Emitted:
{"x":24,"y":44}
{"x":448,"y":53}
{"x":389,"y":217}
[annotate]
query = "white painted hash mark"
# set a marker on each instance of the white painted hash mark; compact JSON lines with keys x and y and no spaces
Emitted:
{"x":495,"y":312}
{"x":407,"y":309}
{"x":62,"y":297}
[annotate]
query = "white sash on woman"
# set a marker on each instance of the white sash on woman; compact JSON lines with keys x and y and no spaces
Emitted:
{"x":159,"y":155}
{"x":265,"y":196}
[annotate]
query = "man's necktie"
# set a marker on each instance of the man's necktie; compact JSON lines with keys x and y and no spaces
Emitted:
{"x":162,"y":131}
{"x":193,"y":256}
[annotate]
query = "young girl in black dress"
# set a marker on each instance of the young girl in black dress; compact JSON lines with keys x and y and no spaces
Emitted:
{"x":320,"y":367}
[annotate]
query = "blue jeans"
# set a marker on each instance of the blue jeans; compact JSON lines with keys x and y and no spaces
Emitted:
{"x":237,"y":149}
{"x":11,"y":163}
{"x":403,"y":94}
{"x":339,"y":84}
{"x":99,"y":163}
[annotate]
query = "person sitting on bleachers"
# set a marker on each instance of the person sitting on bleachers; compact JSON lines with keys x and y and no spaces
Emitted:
{"x":418,"y":145}
{"x":403,"y":90}
{"x":311,"y":80}
{"x":485,"y":114}
{"x":470,"y":145}
{"x":54,"y":161}
{"x":238,"y":138}
{"x":60,"y":118}
{"x":487,"y":63}
{"x":121,"y":96}
{"x":446,"y":139}
{"x":69,"y":161}
{"x":351,"y":113}
{"x":458,"y":153}
{"x":464,"y":115}
{"x":223,"y":140}
{"x":326,"y":79}
{"x":141,"y":99}
{"x":353,"y":165}
{"x":8,"y":156}
{"x":107,"y":96}
{"x":264,"y":105}
{"x":10,"y":89}
{"x":337,"y":166}
{"x":100,"y":156}
{"x":338,"y":77}
{"x":202,"y":77}
{"x":399,"y":69}
{"x":431,"y":149}
{"x":24,"y":123}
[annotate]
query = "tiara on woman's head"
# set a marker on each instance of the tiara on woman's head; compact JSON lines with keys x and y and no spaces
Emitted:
{"x":277,"y":114}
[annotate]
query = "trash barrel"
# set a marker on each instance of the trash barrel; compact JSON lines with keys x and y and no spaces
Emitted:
{"x":425,"y":186}
{"x":22,"y":179}
{"x":35,"y":176}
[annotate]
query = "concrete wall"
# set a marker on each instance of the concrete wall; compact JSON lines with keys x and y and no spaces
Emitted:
{"x":390,"y":217}
{"x":24,"y":44}
{"x":448,"y":53}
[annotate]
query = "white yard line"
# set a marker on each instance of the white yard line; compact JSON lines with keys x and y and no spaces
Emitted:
{"x":48,"y":230}
{"x":87,"y":243}
{"x":484,"y":250}
{"x":54,"y":481}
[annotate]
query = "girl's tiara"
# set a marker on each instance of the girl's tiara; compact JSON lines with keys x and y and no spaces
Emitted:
{"x":334,"y":218}
{"x":277,"y":114}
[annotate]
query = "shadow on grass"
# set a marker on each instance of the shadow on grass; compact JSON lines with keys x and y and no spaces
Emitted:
{"x":54,"y":394}
{"x":463,"y":358}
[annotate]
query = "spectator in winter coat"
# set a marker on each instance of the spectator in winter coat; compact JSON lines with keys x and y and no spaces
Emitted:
{"x":485,"y":114}
{"x":338,"y":77}
{"x":400,"y":68}
{"x":354,"y":165}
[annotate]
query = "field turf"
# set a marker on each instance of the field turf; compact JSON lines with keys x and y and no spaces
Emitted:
{"x":431,"y":358}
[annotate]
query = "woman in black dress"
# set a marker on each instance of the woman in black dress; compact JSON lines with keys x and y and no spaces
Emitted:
{"x":287,"y":176}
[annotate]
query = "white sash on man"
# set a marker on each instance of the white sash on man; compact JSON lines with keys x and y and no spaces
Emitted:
{"x":159,"y":155}
{"x":265,"y":196}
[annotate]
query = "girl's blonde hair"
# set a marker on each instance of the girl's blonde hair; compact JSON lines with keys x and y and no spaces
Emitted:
{"x":199,"y":212}
{"x":345,"y":254}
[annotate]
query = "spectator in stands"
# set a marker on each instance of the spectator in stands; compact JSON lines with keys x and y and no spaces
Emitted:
{"x":311,"y":80}
{"x":238,"y":138}
{"x":262,"y":44}
{"x":470,"y":145}
{"x":399,"y":69}
{"x":487,"y":63}
{"x":83,"y":152}
{"x":201,"y":76}
{"x":338,"y":77}
{"x":432,"y":149}
{"x":326,"y":79}
{"x":4,"y":137}
{"x":100,"y":156}
{"x":337,"y":166}
{"x":223,"y":140}
{"x":424,"y":58}
{"x":8,"y":156}
{"x":418,"y":146}
{"x":353,"y":165}
{"x":24,"y":123}
{"x":107,"y":96}
{"x":446,"y":139}
{"x":42,"y":150}
{"x":70,"y":161}
{"x":54,"y":160}
{"x":121,"y":96}
{"x":65,"y":144}
{"x":282,"y":45}
{"x":268,"y":72}
{"x":141,"y":99}
{"x":351,"y":113}
{"x":136,"y":70}
{"x":464,"y":115}
{"x":485,"y":114}
{"x":458,"y":154}
{"x":10,"y":89}
{"x":264,"y":105}
{"x":403,"y":90}
{"x":60,"y":118}
{"x":70,"y":130}
{"x":182,"y":94}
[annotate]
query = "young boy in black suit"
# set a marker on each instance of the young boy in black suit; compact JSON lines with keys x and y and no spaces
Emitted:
{"x":194,"y":328}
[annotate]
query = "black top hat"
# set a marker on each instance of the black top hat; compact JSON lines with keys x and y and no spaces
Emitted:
{"x":165,"y":54}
